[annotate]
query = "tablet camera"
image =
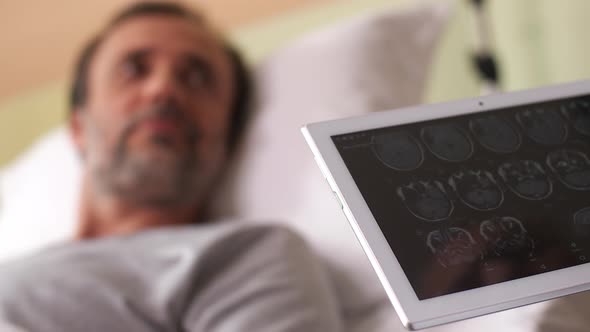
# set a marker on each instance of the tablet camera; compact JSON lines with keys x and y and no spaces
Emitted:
{"x":579,"y":113}
{"x":526,"y":178}
{"x":477,"y":189}
{"x":506,"y":236}
{"x":495,"y":134}
{"x":571,"y":167}
{"x":543,"y":126}
{"x":399,"y":151}
{"x":447,"y":142}
{"x":453,"y":246}
{"x":426,"y":200}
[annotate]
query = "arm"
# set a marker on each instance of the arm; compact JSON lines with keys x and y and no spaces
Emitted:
{"x":261,"y":279}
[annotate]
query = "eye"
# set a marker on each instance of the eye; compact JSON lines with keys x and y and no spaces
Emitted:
{"x":197,"y":77}
{"x":196,"y":74}
{"x":134,"y":68}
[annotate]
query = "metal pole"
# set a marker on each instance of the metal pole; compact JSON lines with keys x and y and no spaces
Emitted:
{"x":483,"y":57}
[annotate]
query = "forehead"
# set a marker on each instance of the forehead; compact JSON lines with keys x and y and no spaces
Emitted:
{"x":164,"y":33}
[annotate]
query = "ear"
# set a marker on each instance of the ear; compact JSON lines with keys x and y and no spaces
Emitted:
{"x":76,"y":128}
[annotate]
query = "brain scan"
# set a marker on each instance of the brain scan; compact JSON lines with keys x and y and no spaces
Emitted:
{"x":447,"y":142}
{"x":543,"y":126}
{"x":426,"y":200}
{"x":399,"y":151}
{"x":506,"y":235}
{"x":453,"y":246}
{"x":582,"y":221}
{"x":495,"y":134}
{"x":571,"y":167}
{"x":579,"y":113}
{"x":526,"y":178}
{"x":477,"y":189}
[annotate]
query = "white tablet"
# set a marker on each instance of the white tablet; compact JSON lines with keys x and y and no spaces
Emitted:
{"x":469,"y":207}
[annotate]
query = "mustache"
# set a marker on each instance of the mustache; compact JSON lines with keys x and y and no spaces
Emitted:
{"x":166,"y":111}
{"x":161,"y":112}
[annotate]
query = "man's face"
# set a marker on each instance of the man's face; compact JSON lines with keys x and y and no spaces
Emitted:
{"x":155,"y":124}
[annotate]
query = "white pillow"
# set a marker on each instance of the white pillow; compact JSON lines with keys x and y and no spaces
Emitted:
{"x":374,"y":62}
{"x":39,"y":195}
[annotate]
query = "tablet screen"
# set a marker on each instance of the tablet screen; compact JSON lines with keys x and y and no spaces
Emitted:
{"x":478,"y":199}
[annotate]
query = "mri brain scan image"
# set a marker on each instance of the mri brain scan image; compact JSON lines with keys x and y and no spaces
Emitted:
{"x":582,"y":221}
{"x":447,"y":142}
{"x":477,"y":189}
{"x":571,"y":167}
{"x":526,"y":178}
{"x":543,"y":126}
{"x":495,"y":134}
{"x":399,"y":151}
{"x":453,"y":246}
{"x":579,"y":113}
{"x":426,"y":200}
{"x":506,"y":236}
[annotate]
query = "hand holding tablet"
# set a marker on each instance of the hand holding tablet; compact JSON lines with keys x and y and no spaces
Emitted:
{"x":469,"y":207}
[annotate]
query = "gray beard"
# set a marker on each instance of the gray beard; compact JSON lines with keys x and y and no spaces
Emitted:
{"x":141,"y":179}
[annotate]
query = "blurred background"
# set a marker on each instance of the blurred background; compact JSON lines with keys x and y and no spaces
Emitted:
{"x":537,"y":42}
{"x":378,"y":56}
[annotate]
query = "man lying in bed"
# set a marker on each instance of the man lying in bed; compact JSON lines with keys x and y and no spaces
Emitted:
{"x":158,"y":103}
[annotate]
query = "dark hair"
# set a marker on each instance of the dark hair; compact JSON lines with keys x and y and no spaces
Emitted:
{"x":242,"y":85}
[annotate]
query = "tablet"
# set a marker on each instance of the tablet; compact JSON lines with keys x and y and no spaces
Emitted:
{"x":469,"y":207}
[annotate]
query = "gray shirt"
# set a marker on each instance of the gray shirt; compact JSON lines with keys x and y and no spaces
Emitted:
{"x":190,"y":278}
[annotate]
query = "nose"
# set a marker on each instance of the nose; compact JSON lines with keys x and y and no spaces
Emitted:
{"x":161,"y":87}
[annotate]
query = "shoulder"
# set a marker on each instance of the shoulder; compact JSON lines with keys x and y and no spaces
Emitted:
{"x":262,"y":243}
{"x":259,"y":278}
{"x":261,"y":235}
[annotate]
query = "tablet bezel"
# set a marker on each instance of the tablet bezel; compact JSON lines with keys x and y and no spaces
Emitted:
{"x":415,"y":313}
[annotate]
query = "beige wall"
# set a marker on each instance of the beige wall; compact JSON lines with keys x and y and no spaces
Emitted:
{"x":39,"y":39}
